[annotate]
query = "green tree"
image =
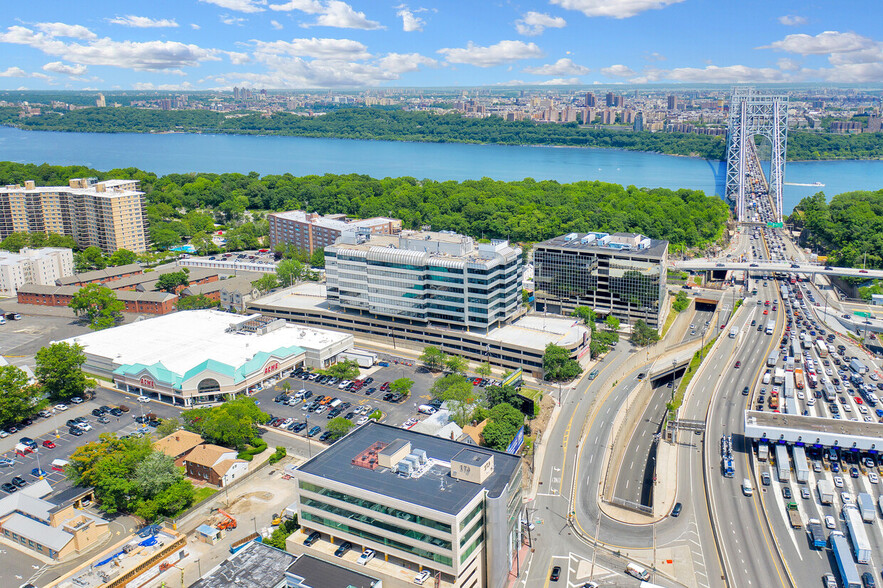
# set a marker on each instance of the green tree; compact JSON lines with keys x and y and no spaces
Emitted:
{"x":204,"y":244}
{"x":504,"y":420}
{"x":401,"y":386}
{"x":18,"y":399}
{"x":98,"y":305}
{"x":281,"y":533}
{"x":59,"y":370}
{"x":15,"y":242}
{"x":681,"y":302}
{"x":484,"y":370}
{"x":233,"y":423}
{"x":348,"y":369}
{"x":432,"y":357}
{"x":289,"y":271}
{"x":167,"y":427}
{"x":587,"y":315}
{"x":266,"y":283}
{"x":171,"y":281}
{"x":195,"y":302}
{"x":339,"y":426}
{"x":164,"y":237}
{"x":502,"y":395}
{"x":122,"y":257}
{"x":459,"y":395}
{"x":155,"y":473}
{"x":456,"y":364}
{"x":557,"y":364}
{"x":643,"y":334}
{"x":91,"y":258}
{"x":612,"y":322}
{"x":317,"y":259}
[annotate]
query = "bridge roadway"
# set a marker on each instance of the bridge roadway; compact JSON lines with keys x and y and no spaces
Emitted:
{"x":770,"y":266}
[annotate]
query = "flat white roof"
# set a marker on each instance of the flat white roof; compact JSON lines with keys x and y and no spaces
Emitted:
{"x":182,"y":340}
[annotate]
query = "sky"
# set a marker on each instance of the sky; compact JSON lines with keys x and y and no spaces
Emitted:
{"x":182,"y":45}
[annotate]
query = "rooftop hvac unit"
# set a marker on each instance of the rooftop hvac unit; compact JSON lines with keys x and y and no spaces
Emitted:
{"x":413,"y":460}
{"x":420,"y":455}
{"x":570,"y":236}
{"x":404,"y":467}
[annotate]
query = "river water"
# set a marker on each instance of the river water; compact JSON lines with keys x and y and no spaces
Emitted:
{"x":181,"y":153}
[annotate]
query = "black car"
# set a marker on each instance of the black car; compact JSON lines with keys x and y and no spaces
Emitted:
{"x":71,"y":423}
{"x":297,"y":428}
{"x":75,"y":432}
{"x":369,"y":380}
{"x":388,"y":396}
{"x":344,"y":547}
{"x":116,"y":412}
{"x":8,"y":488}
{"x":103,"y":420}
{"x":104,"y":409}
{"x":676,"y":511}
{"x":325,"y":436}
{"x":370,"y":391}
{"x":308,"y":394}
{"x":786,"y":492}
{"x":349,"y":415}
{"x":868,"y":580}
{"x":18,"y":482}
{"x":312,"y":538}
{"x":556,"y":573}
{"x":97,"y":412}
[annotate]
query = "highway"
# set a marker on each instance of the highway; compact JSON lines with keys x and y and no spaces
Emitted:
{"x":769,"y":266}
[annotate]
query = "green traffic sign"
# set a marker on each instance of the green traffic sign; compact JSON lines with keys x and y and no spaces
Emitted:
{"x":862,"y":313}
{"x":775,"y":225}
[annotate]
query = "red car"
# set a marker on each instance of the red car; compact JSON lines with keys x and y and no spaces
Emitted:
{"x":48,"y":444}
{"x":476,"y":381}
{"x":858,"y":400}
{"x":738,"y":365}
{"x":766,"y":312}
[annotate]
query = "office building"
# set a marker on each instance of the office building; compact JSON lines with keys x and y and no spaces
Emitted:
{"x":622,"y":274}
{"x":109,"y":215}
{"x":420,"y":501}
{"x":311,"y":231}
{"x":34,"y":266}
{"x":426,"y":277}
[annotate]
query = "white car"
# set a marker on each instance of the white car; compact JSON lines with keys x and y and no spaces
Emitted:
{"x":846,"y":497}
{"x":362,"y":420}
{"x":838,"y":481}
{"x":422,"y":577}
{"x":830,"y":522}
{"x":873,"y":478}
{"x":61,"y":407}
{"x":84,"y":426}
{"x":366,"y":556}
{"x":801,"y":396}
{"x":863,"y":409}
{"x":343,"y":384}
{"x":811,"y":401}
{"x":143,"y":399}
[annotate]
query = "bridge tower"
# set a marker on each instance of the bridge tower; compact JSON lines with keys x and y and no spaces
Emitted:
{"x":754,"y":113}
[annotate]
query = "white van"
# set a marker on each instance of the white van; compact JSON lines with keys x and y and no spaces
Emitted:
{"x":335,"y":403}
{"x":637,"y":571}
{"x":766,"y":378}
{"x":747,"y":488}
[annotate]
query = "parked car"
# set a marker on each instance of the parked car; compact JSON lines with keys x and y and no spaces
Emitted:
{"x":344,"y":547}
{"x":312,"y":538}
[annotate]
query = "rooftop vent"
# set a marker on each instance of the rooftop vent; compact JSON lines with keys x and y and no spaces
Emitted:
{"x":472,"y":466}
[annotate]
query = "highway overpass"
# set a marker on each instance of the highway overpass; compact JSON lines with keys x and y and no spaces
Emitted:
{"x":814,"y":431}
{"x":766,"y":266}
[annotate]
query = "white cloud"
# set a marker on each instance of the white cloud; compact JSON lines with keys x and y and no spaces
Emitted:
{"x":143,"y":22}
{"x":248,"y":6}
{"x":824,"y":43}
{"x":233,"y":20}
{"x":502,"y":52}
{"x":331,"y":13}
{"x":195,"y":26}
{"x":13,"y":72}
{"x":534,"y":23}
{"x":715,"y":74}
{"x":410,"y":22}
{"x":405,"y":62}
{"x":563,"y":67}
{"x":276,"y":25}
{"x":618,"y":71}
{"x":655,"y":56}
{"x":150,"y":55}
{"x":60,"y":29}
{"x":61,"y":68}
{"x":792,"y":20}
{"x":164,"y":87}
{"x":237,"y":58}
{"x":561,"y":82}
{"x":613,"y":8}
{"x":787,"y":64}
{"x":329,"y":49}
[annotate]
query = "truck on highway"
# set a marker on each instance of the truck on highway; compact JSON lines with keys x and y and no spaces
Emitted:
{"x":798,"y":378}
{"x":770,"y":327}
{"x":821,"y":348}
{"x":845,"y":565}
{"x":733,"y":332}
{"x":801,"y":467}
{"x":865,"y":505}
{"x":861,"y":547}
{"x":794,"y":515}
{"x":856,"y":366}
{"x":816,"y":533}
{"x":778,"y":376}
{"x":773,"y":358}
{"x":763,"y":451}
{"x":826,"y":491}
{"x":783,"y":466}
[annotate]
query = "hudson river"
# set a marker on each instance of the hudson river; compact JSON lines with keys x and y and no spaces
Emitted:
{"x":182,"y":153}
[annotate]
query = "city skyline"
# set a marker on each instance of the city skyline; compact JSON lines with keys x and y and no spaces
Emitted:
{"x":299,"y":44}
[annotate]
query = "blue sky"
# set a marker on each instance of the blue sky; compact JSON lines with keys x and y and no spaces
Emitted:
{"x":206,"y":44}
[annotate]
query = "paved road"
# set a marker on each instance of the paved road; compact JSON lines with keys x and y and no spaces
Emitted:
{"x":635,"y":478}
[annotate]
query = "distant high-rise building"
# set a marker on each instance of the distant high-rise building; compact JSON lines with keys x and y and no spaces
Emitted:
{"x":628,"y":116}
{"x":588,"y":116}
{"x":608,"y":117}
{"x":639,"y":122}
{"x":873,"y":124}
{"x":618,"y":101}
{"x":235,"y":92}
{"x":672,"y":102}
{"x":590,"y":100}
{"x":611,"y":100}
{"x":100,"y":103}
